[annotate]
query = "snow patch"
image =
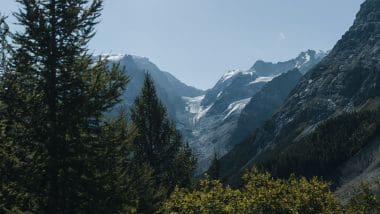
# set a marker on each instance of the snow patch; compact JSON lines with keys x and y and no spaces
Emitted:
{"x":113,"y":57}
{"x":193,"y":106}
{"x":232,"y":73}
{"x":262,"y":79}
{"x":219,"y":94}
{"x":201,"y":113}
{"x":237,"y":106}
{"x":306,"y":58}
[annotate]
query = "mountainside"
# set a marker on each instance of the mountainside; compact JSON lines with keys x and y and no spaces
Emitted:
{"x":265,"y":103}
{"x":214,"y":116}
{"x":169,"y":89}
{"x":347,"y":80}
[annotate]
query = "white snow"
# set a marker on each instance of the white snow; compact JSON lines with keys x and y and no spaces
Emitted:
{"x":306,"y":58}
{"x":219,"y":94}
{"x":234,"y":72}
{"x":237,"y":106}
{"x":262,"y":79}
{"x":201,"y":113}
{"x":113,"y":57}
{"x":193,"y":106}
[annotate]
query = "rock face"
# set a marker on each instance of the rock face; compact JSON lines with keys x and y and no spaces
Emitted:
{"x":264,"y":104}
{"x":348,"y":79}
{"x":215,"y":116}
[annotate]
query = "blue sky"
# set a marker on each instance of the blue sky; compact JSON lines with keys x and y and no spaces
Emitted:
{"x":199,"y":40}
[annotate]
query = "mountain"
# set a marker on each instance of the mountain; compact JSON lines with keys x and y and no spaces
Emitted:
{"x":215,"y":115}
{"x":265,"y":103}
{"x":304,"y":62}
{"x":329,"y":124}
{"x":169,"y":89}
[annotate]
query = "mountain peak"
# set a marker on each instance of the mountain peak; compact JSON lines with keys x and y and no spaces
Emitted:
{"x":115,"y":57}
{"x":304,"y":61}
{"x":231,"y":73}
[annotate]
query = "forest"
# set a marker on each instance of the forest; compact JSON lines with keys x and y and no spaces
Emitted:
{"x":60,"y":152}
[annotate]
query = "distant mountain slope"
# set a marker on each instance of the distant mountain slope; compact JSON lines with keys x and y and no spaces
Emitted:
{"x":347,"y":80}
{"x":264,"y":104}
{"x":169,"y":89}
{"x":215,"y":115}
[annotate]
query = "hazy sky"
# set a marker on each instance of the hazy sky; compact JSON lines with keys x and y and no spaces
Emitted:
{"x":199,"y":40}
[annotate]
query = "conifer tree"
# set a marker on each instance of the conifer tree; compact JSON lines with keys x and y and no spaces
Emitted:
{"x":130,"y":183}
{"x":214,"y":170}
{"x":159,"y":143}
{"x":52,"y":102}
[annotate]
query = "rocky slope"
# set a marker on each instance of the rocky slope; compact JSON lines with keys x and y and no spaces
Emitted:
{"x":214,"y":116}
{"x":264,"y":104}
{"x":347,"y":80}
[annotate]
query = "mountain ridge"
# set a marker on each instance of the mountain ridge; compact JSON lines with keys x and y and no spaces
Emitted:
{"x":220,"y":108}
{"x":344,"y":81}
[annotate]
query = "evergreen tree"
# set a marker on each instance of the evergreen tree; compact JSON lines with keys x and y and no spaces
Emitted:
{"x":5,"y":48}
{"x":52,"y":102}
{"x":130,"y":183}
{"x":214,"y":170}
{"x":159,"y":144}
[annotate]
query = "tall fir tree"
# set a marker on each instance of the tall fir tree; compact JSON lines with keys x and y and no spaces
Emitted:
{"x":159,"y":143}
{"x":52,"y":100}
{"x":130,"y":183}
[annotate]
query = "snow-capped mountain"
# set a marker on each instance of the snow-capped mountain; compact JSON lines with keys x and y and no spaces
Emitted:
{"x":207,"y":119}
{"x":213,"y":117}
{"x":302,"y":62}
{"x":345,"y":84}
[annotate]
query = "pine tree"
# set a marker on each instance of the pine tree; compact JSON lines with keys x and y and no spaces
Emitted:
{"x":52,"y":102}
{"x":214,"y":170}
{"x":130,"y":183}
{"x":159,"y":143}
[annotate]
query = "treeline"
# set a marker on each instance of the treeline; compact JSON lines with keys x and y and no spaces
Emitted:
{"x":59,"y":153}
{"x":330,"y":145}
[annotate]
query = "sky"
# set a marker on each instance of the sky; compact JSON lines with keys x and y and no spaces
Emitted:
{"x":199,"y":40}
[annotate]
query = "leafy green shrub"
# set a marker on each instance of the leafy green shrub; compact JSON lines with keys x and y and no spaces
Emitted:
{"x":261,"y":194}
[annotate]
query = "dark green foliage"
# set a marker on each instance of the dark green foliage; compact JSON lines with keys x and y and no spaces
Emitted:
{"x":130,"y":184}
{"x":52,"y":101}
{"x":330,"y":145}
{"x":366,"y":201}
{"x":58,"y":152}
{"x":214,"y":170}
{"x":159,"y":144}
{"x":5,"y":47}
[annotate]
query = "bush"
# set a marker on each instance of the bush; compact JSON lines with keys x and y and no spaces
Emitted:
{"x":261,"y":194}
